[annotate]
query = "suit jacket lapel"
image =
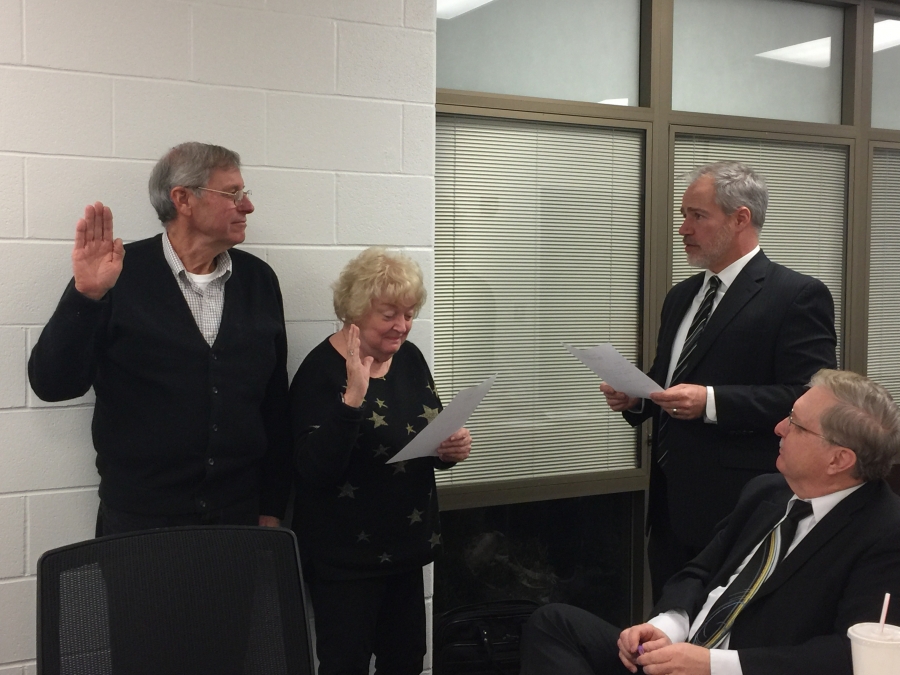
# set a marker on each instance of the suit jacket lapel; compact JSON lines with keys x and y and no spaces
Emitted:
{"x":746,"y":285}
{"x":764,"y":518}
{"x":837,"y":519}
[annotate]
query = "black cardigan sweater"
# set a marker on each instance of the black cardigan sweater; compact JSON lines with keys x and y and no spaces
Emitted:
{"x":179,"y":427}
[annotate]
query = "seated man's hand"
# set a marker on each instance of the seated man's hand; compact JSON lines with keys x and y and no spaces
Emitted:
{"x":269,"y":521}
{"x":617,"y":400}
{"x":639,"y":640}
{"x":683,"y":401}
{"x":679,"y":659}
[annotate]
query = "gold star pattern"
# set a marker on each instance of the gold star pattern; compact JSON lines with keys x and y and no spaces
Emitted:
{"x":432,"y":388}
{"x":415,"y":516}
{"x":363,"y":536}
{"x":384,"y":557}
{"x":382,"y":450}
{"x":380,"y":403}
{"x":409,"y":429}
{"x":429,"y":414}
{"x":347,"y":491}
{"x":435,"y":539}
{"x":399,"y":467}
{"x":378,"y":420}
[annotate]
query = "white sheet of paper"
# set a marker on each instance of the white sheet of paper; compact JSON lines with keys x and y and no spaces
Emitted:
{"x":615,"y":370}
{"x":452,"y":418}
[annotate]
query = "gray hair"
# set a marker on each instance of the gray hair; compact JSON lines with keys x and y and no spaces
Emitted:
{"x":186,"y":165}
{"x":865,"y":419}
{"x":736,"y":185}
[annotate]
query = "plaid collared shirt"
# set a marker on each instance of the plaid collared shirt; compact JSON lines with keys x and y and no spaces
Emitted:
{"x":206,"y":304}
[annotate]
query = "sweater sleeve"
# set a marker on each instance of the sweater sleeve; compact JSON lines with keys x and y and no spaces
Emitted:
{"x":325,"y":429}
{"x":438,"y":462}
{"x":64,"y":360}
{"x":276,"y":468}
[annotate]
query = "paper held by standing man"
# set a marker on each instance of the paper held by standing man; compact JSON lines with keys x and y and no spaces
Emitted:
{"x":452,"y":418}
{"x":615,"y":370}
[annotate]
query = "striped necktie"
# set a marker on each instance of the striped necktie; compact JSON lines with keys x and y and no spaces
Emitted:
{"x":697,"y":325}
{"x":717,"y":624}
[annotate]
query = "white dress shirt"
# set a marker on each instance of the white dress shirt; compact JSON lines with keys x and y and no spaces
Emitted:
{"x":726,"y":279}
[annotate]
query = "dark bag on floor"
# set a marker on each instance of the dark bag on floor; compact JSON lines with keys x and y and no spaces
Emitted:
{"x":481,"y":639}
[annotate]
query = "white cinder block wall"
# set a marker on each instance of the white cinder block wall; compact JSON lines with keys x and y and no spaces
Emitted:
{"x":330,"y":104}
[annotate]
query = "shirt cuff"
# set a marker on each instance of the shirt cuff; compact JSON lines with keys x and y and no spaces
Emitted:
{"x":709,"y":416}
{"x":674,"y":624}
{"x":724,"y":662}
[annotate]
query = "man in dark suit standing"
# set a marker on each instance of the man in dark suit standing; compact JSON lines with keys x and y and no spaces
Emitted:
{"x":804,"y":556}
{"x":736,"y":345}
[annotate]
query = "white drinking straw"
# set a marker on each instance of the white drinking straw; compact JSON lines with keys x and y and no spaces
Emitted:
{"x":884,"y":608}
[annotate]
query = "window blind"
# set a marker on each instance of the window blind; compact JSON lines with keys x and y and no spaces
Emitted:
{"x":537,"y":242}
{"x":806,"y":219}
{"x":884,"y":282}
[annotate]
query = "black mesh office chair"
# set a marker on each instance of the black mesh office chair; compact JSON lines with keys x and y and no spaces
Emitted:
{"x":185,"y":601}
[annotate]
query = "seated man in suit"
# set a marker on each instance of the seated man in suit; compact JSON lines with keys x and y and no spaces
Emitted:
{"x":805,"y":555}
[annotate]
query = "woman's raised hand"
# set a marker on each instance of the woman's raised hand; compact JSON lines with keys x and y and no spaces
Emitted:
{"x":358,"y":369}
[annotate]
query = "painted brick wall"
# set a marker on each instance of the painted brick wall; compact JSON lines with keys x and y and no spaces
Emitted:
{"x":330,"y":104}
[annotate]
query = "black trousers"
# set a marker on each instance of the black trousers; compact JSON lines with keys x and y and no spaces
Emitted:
{"x":356,"y":618}
{"x":562,"y":639}
{"x":113,"y":521}
{"x":666,"y":556}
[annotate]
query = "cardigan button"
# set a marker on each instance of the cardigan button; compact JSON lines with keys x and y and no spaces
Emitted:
{"x":215,"y":427}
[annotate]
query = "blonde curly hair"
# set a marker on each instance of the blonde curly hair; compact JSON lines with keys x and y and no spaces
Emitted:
{"x":377,"y":274}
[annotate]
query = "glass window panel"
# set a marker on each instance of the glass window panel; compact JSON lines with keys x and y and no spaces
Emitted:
{"x":759,"y":58}
{"x":579,"y":50}
{"x":807,"y":188}
{"x":886,"y":73}
{"x":884,"y":282}
{"x":537,"y":242}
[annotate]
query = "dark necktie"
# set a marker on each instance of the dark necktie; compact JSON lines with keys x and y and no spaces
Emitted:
{"x":717,"y":624}
{"x":697,"y":326}
{"x":698,"y":323}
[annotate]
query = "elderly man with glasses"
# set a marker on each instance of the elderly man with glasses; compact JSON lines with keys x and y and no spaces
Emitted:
{"x":805,"y":555}
{"x":184,"y":343}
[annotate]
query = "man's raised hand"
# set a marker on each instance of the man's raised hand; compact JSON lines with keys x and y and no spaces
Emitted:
{"x":96,"y":257}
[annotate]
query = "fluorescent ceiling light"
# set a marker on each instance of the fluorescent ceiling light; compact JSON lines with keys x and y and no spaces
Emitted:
{"x":887,"y":35}
{"x":816,"y":53}
{"x":614,"y":101}
{"x":448,"y":9}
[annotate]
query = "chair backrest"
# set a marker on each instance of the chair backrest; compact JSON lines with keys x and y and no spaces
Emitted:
{"x":188,"y":601}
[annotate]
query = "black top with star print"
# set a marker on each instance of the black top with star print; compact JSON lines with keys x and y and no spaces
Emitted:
{"x":356,"y":516}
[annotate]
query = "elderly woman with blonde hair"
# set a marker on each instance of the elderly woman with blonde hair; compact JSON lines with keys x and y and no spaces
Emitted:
{"x":365,"y":527}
